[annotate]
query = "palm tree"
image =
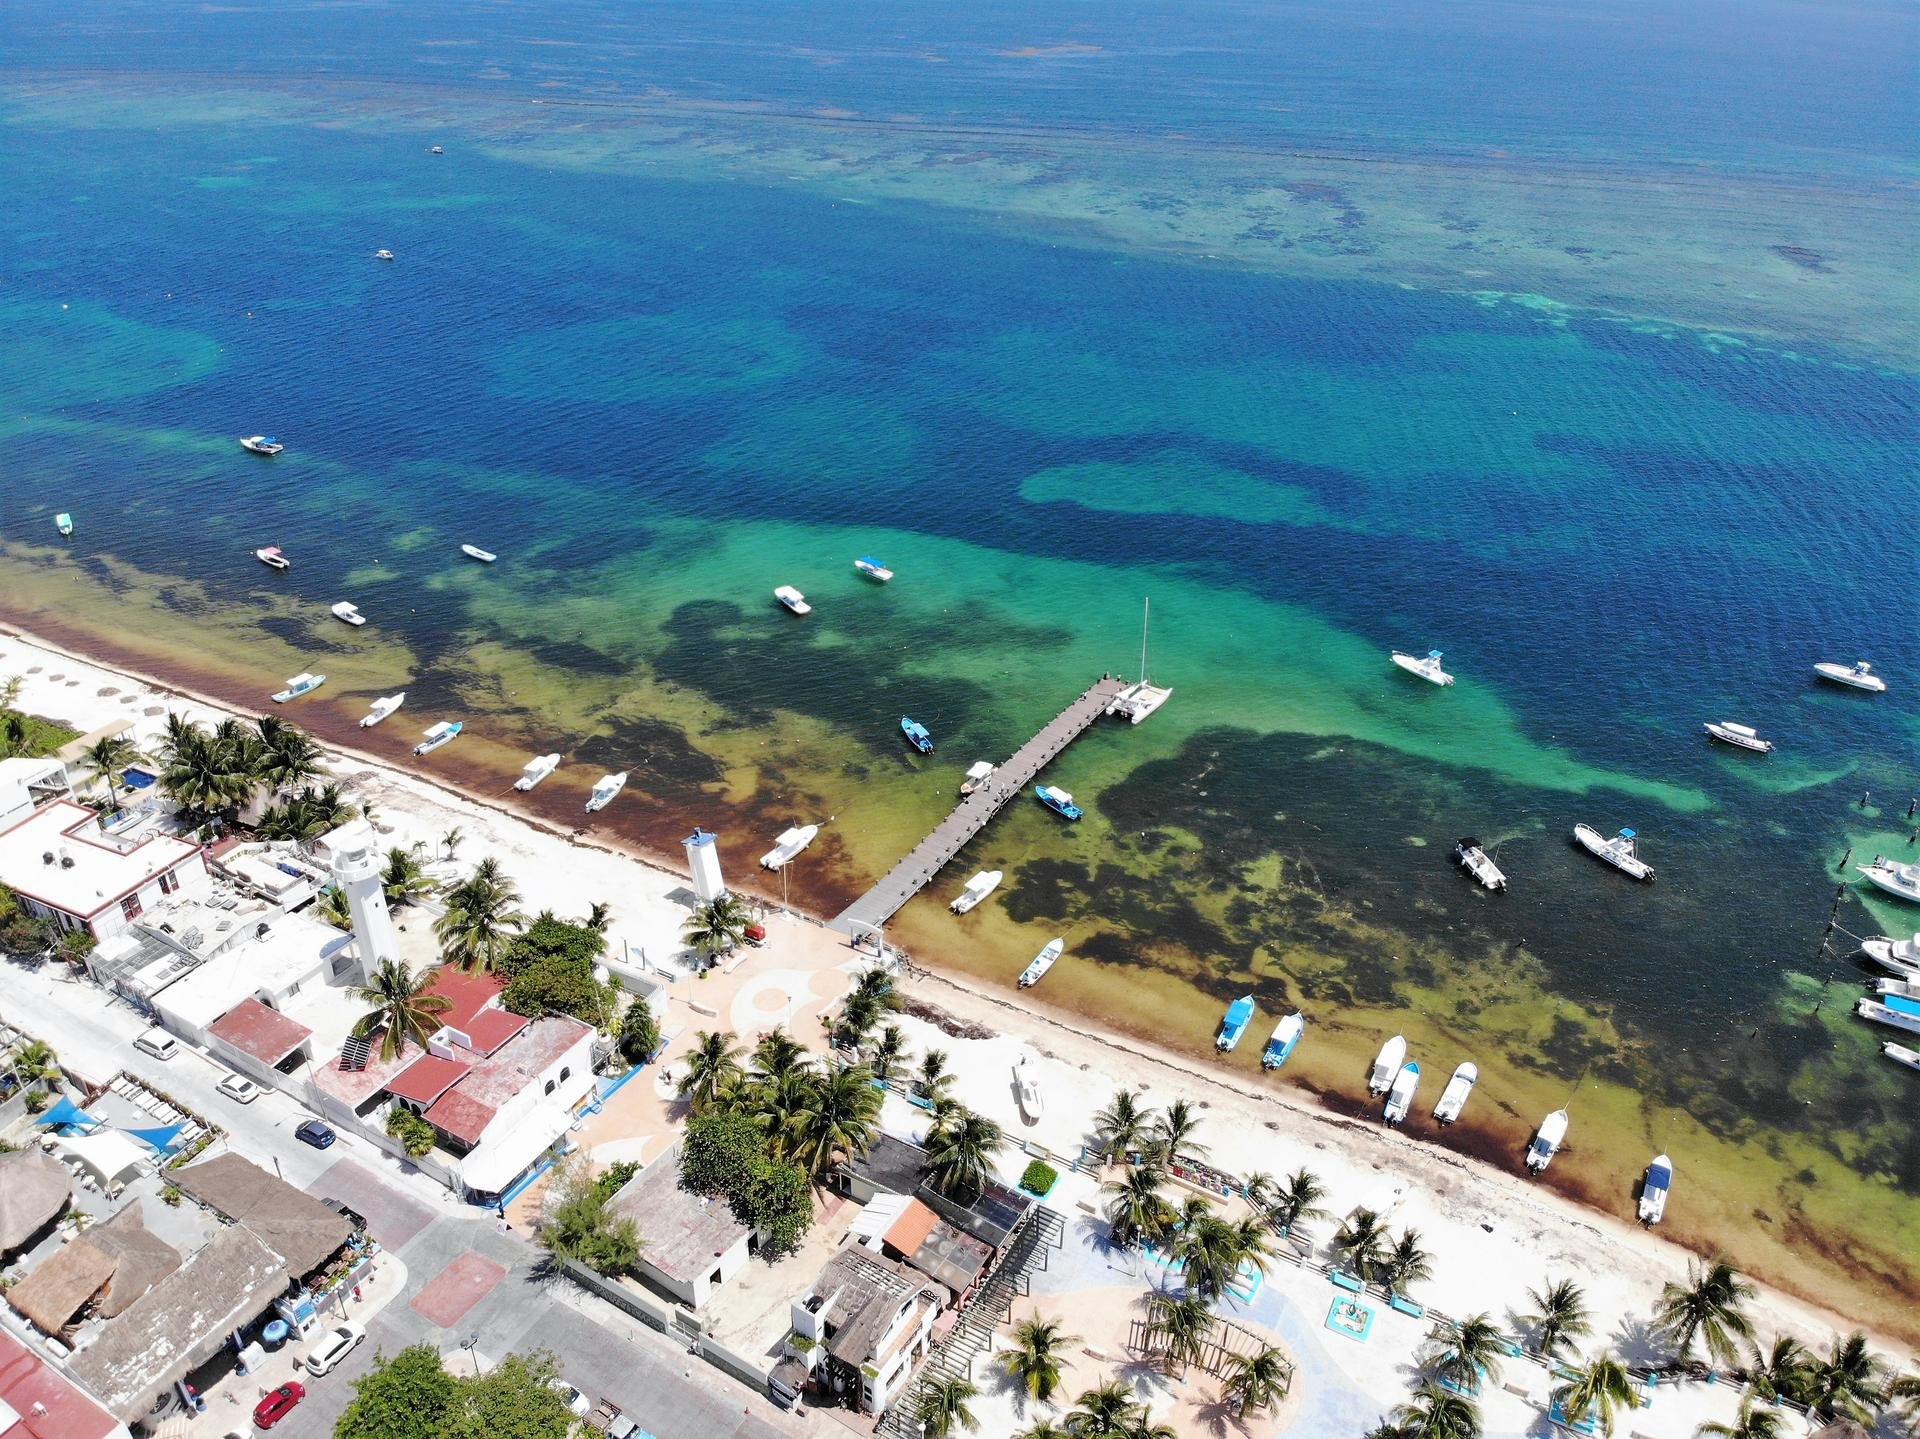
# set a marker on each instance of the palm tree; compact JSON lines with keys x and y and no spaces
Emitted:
{"x":778,"y":1054}
{"x":958,"y":1155}
{"x":1208,"y":1250}
{"x":35,"y":1060}
{"x":14,"y":741}
{"x":876,"y":986}
{"x":1145,"y":1426}
{"x":837,"y":1120}
{"x":208,"y":773}
{"x":888,"y":1050}
{"x":1257,"y":1381}
{"x":1121,"y":1128}
{"x":713,"y":1069}
{"x":1105,"y":1411}
{"x":401,"y":1002}
{"x":932,"y":1079}
{"x":858,"y":1015}
{"x":942,"y":1404}
{"x":1469,"y":1352}
{"x":1179,"y":1326}
{"x":106,"y":757}
{"x":1362,"y":1242}
{"x":1173,"y":1132}
{"x":283,"y":756}
{"x":404,"y":879}
{"x":1034,"y":1359}
{"x":480,"y":917}
{"x":1601,"y":1387}
{"x":777,"y":1105}
{"x":1136,"y":1210}
{"x":1560,"y":1317}
{"x":1436,"y":1413}
{"x":716,"y":927}
{"x":1755,"y":1421}
{"x":1847,"y":1383}
{"x":1044,"y":1429}
{"x":1708,"y":1307}
{"x":451,"y":841}
{"x":1405,"y":1263}
{"x":334,"y":909}
{"x":1904,"y":1392}
{"x":598,"y":919}
{"x":639,"y":1031}
{"x":1781,"y":1374}
{"x":1297,"y":1201}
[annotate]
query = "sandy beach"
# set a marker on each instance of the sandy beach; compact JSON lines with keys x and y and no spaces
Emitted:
{"x":1493,"y":1236}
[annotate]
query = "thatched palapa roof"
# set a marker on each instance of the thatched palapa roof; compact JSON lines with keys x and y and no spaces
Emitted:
{"x":34,"y":1188}
{"x":119,"y":1261}
{"x":300,"y":1227}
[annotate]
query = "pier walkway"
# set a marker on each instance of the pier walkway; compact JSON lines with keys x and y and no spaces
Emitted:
{"x":969,"y":817}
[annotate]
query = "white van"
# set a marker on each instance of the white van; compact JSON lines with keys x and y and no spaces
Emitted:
{"x":158,"y":1043}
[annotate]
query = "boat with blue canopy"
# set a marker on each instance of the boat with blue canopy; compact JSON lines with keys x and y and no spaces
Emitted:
{"x":1239,"y":1015}
{"x":1285,"y":1037}
{"x":1653,"y":1190}
{"x":300,"y":684}
{"x":1057,"y":800}
{"x":873,"y":569}
{"x":916,"y":734}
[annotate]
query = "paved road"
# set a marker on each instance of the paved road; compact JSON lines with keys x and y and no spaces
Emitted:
{"x":645,"y":1373}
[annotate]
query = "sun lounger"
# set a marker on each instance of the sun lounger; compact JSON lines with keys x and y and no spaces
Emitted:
{"x":1343,"y":1280}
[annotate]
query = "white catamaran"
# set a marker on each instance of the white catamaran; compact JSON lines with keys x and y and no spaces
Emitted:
{"x":978,"y":888}
{"x":1140,"y":699}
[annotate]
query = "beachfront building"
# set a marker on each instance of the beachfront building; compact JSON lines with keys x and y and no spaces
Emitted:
{"x":93,"y":873}
{"x":859,"y":1331}
{"x":690,"y":1244}
{"x":26,"y":784}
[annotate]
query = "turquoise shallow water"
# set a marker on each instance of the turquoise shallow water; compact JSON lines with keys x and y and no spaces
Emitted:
{"x":659,"y":386}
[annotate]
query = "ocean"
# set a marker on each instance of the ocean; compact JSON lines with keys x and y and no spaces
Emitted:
{"x":1577,"y":342}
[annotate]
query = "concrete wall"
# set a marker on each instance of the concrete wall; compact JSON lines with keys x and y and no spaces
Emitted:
{"x":630,"y":1299}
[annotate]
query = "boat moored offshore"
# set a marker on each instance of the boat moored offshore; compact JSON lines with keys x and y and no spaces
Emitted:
{"x":1727,"y":732}
{"x":1453,"y":1098}
{"x":1234,"y":1023}
{"x":978,"y":773}
{"x":1427,"y":666}
{"x":383,"y":254}
{"x":1042,"y":962}
{"x":349,"y":614}
{"x":1057,"y":800}
{"x":271,"y":557}
{"x":873,"y":569}
{"x":1478,"y":863}
{"x":1902,"y":956}
{"x":1283,"y":1041}
{"x":1547,"y":1141}
{"x":262,"y":444}
{"x":1653,"y":1190}
{"x":381,"y":708}
{"x":789,"y":843}
{"x":1859,"y":675}
{"x":474,"y":552}
{"x":604,"y":791}
{"x":1400,"y":1097}
{"x":978,"y":888}
{"x":1900,"y":880}
{"x":793,"y":600}
{"x":1141,"y":698}
{"x":916,"y":734}
{"x":445,"y":732}
{"x":301,"y":684}
{"x":1386,"y":1064}
{"x":1896,"y":1013}
{"x":535,"y":770}
{"x":1622,"y":851}
{"x":63,"y":522}
{"x":1900,"y":1054}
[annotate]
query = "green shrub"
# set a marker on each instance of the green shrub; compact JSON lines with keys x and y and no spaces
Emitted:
{"x":1039,"y":1179}
{"x":416,"y":1136}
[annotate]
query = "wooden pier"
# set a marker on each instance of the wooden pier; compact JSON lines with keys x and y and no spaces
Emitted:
{"x":970,"y":816}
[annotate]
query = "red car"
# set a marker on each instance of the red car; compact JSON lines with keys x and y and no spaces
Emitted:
{"x":279,"y":1404}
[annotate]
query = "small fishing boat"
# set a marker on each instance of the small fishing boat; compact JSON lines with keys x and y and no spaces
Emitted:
{"x":1042,"y":962}
{"x":978,"y":773}
{"x":789,"y":844}
{"x":381,"y":708}
{"x":262,"y":444}
{"x":349,"y":613}
{"x":603,"y":792}
{"x":63,"y":522}
{"x":1427,"y":667}
{"x":1546,"y":1141}
{"x":1727,"y":732}
{"x":1386,"y":1064}
{"x":474,"y":552}
{"x":383,"y":254}
{"x":1902,"y":956}
{"x":916,"y":734}
{"x":1142,"y":698}
{"x":793,"y":600}
{"x":1622,"y":851}
{"x":1453,"y":1098}
{"x":1478,"y":863}
{"x":1234,"y":1024}
{"x":1283,"y":1041}
{"x":1400,"y":1097}
{"x":978,"y":888}
{"x":300,"y":684}
{"x":1896,"y":1013}
{"x":1026,"y":1084}
{"x":535,"y":770}
{"x":1653,"y":1190}
{"x":1900,"y":1054}
{"x":272,"y":558}
{"x":1900,"y":880}
{"x":436,"y":150}
{"x":1057,"y":800}
{"x":445,"y":732}
{"x":1897,"y":988}
{"x":873,"y":569}
{"x":1859,"y":675}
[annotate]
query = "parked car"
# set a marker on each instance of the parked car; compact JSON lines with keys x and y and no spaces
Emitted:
{"x":239,"y":1089}
{"x":277,"y":1405}
{"x":577,"y":1403}
{"x":158,"y":1043}
{"x":334,"y":1345}
{"x":315,"y":1133}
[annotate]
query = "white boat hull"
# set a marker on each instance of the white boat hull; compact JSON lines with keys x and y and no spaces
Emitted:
{"x":381,"y":709}
{"x":978,"y":888}
{"x":535,"y":771}
{"x":606,"y":792}
{"x":1613,"y":852}
{"x":1900,"y":1054}
{"x":1386,"y":1065}
{"x":1137,"y":701}
{"x":1454,"y":1097}
{"x":1042,"y":962}
{"x":1882,"y":1014}
{"x":1479,"y":864}
{"x":1851,"y":676}
{"x":1740,"y":737}
{"x":1902,"y":956}
{"x":1902,"y":881}
{"x":1423,"y":667}
{"x":1547,"y":1141}
{"x":474,"y":552}
{"x":788,"y":845}
{"x":1400,"y":1097}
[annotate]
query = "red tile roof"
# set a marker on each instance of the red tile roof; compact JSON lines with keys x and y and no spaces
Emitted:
{"x":47,"y":1403}
{"x":463,"y":1116}
{"x":491,"y":1028}
{"x":468,"y":1108}
{"x":427,"y":1078}
{"x":911,"y":1229}
{"x":266,"y":1034}
{"x":466,"y":994}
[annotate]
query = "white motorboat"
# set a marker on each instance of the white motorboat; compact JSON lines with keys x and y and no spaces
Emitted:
{"x":1386,"y":1065}
{"x":535,"y":770}
{"x":381,"y":708}
{"x":445,"y":732}
{"x":1859,"y":675}
{"x":873,"y":569}
{"x":300,"y":684}
{"x":1900,"y":880}
{"x":1902,"y":956}
{"x":1026,"y":1085}
{"x":1900,"y":1054}
{"x":1453,"y":1098}
{"x":1653,"y":1190}
{"x":1895,"y":1013}
{"x":789,"y":844}
{"x":978,"y":773}
{"x":262,"y":444}
{"x":978,"y":888}
{"x":271,"y":557}
{"x":1898,"y":988}
{"x":793,"y":600}
{"x":1426,"y":666}
{"x":436,"y":150}
{"x":1400,"y":1097}
{"x":1284,"y":1040}
{"x":383,"y":254}
{"x":474,"y":552}
{"x":1042,"y":962}
{"x":1478,"y":863}
{"x":348,"y":613}
{"x":1622,"y":851}
{"x":1727,"y":732}
{"x":1141,"y":698}
{"x":63,"y":522}
{"x":1546,"y":1141}
{"x":603,"y":792}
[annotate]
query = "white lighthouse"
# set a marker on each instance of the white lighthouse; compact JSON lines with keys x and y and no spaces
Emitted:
{"x":355,"y":859}
{"x":703,"y":861}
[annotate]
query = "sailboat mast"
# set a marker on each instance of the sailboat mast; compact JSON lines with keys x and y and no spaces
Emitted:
{"x":1146,"y":610}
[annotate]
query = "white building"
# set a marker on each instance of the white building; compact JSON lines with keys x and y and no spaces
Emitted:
{"x":26,"y":784}
{"x":859,"y":1332}
{"x":64,"y":864}
{"x":690,"y":1244}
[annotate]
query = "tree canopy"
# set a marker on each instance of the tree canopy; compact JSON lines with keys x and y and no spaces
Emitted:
{"x":412,"y":1396}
